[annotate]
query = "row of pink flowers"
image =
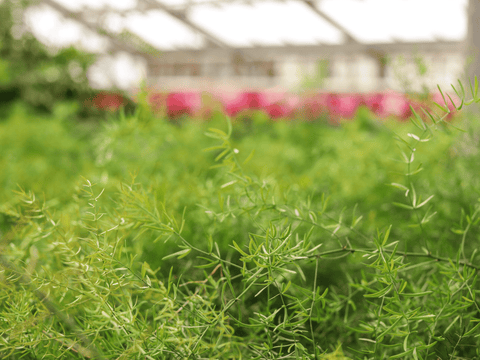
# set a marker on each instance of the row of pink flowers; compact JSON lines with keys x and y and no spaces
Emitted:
{"x":283,"y":105}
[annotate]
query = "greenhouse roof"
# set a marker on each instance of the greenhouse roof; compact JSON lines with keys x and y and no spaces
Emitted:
{"x":119,"y":29}
{"x":194,"y":24}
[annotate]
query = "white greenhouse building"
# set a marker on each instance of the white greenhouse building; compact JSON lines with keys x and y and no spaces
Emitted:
{"x":287,"y":45}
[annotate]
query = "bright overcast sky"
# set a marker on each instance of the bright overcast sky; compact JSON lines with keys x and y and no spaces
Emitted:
{"x":266,"y":22}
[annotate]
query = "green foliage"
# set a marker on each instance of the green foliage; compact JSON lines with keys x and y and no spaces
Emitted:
{"x":40,"y":153}
{"x":205,"y":240}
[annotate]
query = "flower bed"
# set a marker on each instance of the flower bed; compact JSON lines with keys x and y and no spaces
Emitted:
{"x":278,"y":105}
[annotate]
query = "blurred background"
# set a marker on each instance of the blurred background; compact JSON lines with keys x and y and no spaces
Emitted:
{"x":286,"y":45}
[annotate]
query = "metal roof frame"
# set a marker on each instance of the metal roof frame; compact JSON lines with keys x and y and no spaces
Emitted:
{"x":178,"y":13}
{"x":217,"y":50}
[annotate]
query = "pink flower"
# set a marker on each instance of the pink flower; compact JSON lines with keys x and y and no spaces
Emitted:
{"x":396,"y":104}
{"x":293,"y":101}
{"x":374,"y":102}
{"x":233,"y":108}
{"x":186,"y":103}
{"x":271,"y":97}
{"x":277,"y":110}
{"x":243,"y":101}
{"x":280,"y":104}
{"x":343,"y":106}
{"x":253,"y":100}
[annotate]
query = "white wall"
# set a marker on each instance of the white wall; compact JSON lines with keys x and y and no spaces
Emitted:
{"x":349,"y":74}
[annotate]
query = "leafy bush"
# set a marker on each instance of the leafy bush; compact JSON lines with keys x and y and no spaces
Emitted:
{"x":31,"y":73}
{"x":248,"y":258}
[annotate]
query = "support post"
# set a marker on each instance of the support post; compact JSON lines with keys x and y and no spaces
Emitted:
{"x":473,"y":44}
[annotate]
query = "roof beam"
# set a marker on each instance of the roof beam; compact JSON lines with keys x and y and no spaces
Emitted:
{"x":121,"y":45}
{"x":321,"y":51}
{"x":345,"y":32}
{"x":181,"y":15}
{"x":473,"y":41}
